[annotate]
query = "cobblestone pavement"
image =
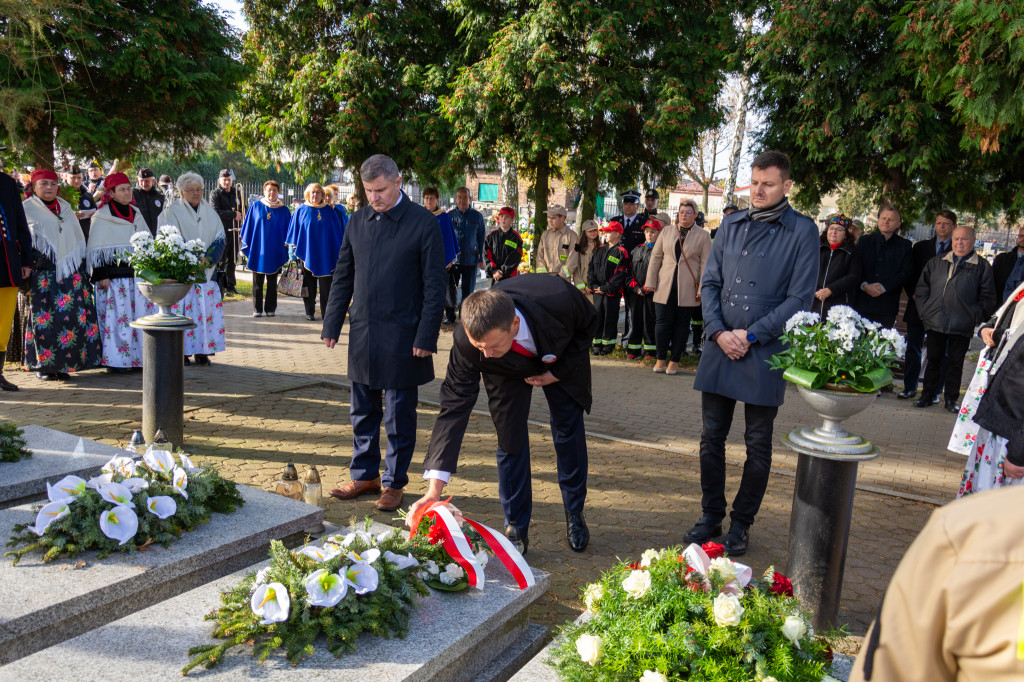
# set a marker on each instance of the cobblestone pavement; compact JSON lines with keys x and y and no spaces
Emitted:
{"x":277,"y":394}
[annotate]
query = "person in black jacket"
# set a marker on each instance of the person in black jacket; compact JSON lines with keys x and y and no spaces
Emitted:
{"x":503,"y":247}
{"x":888,"y":267}
{"x":839,"y":268}
{"x":922,"y":252}
{"x":632,"y":222}
{"x":225,"y":203}
{"x":17,"y":259}
{"x":956,"y":293}
{"x":531,"y":330}
{"x":609,"y":271}
{"x":148,"y":199}
{"x":1008,"y":268}
{"x":86,"y":202}
{"x":641,"y":335}
{"x":390,"y":277}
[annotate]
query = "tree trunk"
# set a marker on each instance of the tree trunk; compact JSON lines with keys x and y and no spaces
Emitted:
{"x":360,"y":192}
{"x":39,"y":127}
{"x":705,"y":204}
{"x":588,"y":201}
{"x":540,"y":198}
{"x":510,"y":183}
{"x":740,"y":131}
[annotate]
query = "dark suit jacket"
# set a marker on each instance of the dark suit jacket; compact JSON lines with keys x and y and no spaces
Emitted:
{"x":391,"y":271}
{"x":889,"y":262}
{"x":1002,"y":266}
{"x":16,"y":240}
{"x":922,"y":252}
{"x":562,"y":322}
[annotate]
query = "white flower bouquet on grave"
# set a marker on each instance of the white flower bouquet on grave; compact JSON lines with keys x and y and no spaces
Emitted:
{"x":844,"y":350}
{"x":691,"y":615}
{"x":130,"y":505}
{"x":167,"y":257}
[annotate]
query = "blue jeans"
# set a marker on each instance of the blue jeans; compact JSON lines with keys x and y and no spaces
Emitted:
{"x":398,"y":412}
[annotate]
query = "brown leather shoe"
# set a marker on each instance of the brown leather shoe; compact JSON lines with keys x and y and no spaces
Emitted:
{"x":390,"y":499}
{"x":356,"y":488}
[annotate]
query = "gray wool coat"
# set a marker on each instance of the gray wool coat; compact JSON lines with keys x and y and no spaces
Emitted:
{"x":757,"y":276}
{"x":390,"y":279}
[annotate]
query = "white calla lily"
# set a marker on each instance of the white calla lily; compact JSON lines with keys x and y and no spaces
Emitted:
{"x":120,"y":465}
{"x":401,"y":562}
{"x":325,"y":553}
{"x":159,"y":461}
{"x":179,"y":481}
{"x":351,"y":537}
{"x":117,"y":494}
{"x":325,"y":588}
{"x":162,"y":506}
{"x":386,"y":535}
{"x":57,"y":509}
{"x":368,"y":556}
{"x":362,"y":577}
{"x":97,"y":482}
{"x":135,"y":485}
{"x":272,"y":602}
{"x":187,"y":464}
{"x":119,"y":523}
{"x":69,"y":486}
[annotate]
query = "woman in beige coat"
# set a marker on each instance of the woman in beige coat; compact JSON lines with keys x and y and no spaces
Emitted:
{"x":578,"y":263}
{"x":677,"y":265}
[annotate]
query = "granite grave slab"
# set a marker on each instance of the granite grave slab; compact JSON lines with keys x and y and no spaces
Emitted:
{"x":55,"y":454}
{"x":48,"y":603}
{"x":453,"y":637}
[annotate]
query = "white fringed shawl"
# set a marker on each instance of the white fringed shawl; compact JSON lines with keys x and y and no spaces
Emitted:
{"x":110,"y":236}
{"x":58,"y":238}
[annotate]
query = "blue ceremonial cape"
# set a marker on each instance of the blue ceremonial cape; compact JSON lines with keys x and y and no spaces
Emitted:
{"x":263,"y":237}
{"x":448,"y":236}
{"x":316,"y":235}
{"x":343,"y":215}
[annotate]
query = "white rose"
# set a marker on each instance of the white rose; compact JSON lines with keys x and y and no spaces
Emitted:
{"x":452,"y":574}
{"x":648,"y":557}
{"x":653,"y":676}
{"x":431,"y":568}
{"x":482,"y":558}
{"x":728,"y":610}
{"x":794,"y":629}
{"x":592,"y":595}
{"x":725,"y":568}
{"x":637,"y":584}
{"x":589,"y":648}
{"x":769,"y":678}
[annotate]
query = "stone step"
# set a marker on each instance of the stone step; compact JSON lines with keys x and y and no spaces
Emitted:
{"x":55,"y":454}
{"x":45,"y":604}
{"x":452,"y":638}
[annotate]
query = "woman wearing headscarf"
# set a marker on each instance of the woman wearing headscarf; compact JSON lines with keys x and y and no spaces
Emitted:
{"x":16,"y":261}
{"x":839,"y":268}
{"x":62,"y":335}
{"x":196,"y":219}
{"x":262,"y":237}
{"x":315,"y":232}
{"x":115,"y":221}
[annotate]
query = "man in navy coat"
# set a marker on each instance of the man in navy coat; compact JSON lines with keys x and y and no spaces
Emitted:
{"x":526,"y":331}
{"x":391,"y":279}
{"x":762,"y":269}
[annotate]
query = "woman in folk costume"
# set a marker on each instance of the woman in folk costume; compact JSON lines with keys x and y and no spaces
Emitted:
{"x":62,"y":335}
{"x":15,"y":264}
{"x":315,"y":232}
{"x":262,"y":237}
{"x":115,"y":221}
{"x":196,"y":219}
{"x":990,"y":426}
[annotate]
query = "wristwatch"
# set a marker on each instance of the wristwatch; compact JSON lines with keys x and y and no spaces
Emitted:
{"x":751,"y":338}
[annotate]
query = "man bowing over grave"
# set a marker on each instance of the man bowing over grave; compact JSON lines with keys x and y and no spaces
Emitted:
{"x":526,"y":331}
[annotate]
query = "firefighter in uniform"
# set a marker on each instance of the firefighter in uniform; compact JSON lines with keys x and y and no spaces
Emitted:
{"x":641,"y":336}
{"x":86,"y":202}
{"x":609,"y":271}
{"x":503,"y":247}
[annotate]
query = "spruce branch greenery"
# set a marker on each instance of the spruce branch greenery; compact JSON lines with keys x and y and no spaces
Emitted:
{"x":12,"y":446}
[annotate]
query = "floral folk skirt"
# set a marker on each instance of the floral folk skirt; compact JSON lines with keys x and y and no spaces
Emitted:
{"x":115,"y":311}
{"x":203,"y":305}
{"x":984,"y":469}
{"x":62,"y":334}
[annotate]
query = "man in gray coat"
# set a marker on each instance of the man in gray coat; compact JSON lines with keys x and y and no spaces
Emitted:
{"x":762,"y":269}
{"x":391,"y":271}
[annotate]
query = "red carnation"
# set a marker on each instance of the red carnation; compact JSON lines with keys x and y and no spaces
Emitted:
{"x":635,"y":566}
{"x":713,"y":549}
{"x":781,"y":585}
{"x":435,"y":535}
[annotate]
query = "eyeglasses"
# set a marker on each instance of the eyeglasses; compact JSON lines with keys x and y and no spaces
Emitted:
{"x":836,"y":228}
{"x":686,"y":213}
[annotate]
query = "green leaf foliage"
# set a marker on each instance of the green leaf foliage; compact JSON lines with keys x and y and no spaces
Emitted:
{"x":12,"y":446}
{"x":79,"y":531}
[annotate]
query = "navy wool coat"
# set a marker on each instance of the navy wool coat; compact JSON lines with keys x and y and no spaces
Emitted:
{"x":758,"y":275}
{"x":391,"y":280}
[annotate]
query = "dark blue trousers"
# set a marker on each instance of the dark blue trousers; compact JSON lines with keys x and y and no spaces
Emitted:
{"x":397,"y":408}
{"x":509,"y":402}
{"x":912,"y":367}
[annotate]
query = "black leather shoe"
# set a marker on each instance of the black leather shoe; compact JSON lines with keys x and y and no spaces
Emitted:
{"x":576,"y":532}
{"x":188,"y":361}
{"x":951,"y":406}
{"x":906,"y":393}
{"x":924,"y":401}
{"x":5,"y":385}
{"x":708,"y":528}
{"x":735,"y":542}
{"x":310,"y":317}
{"x":46,"y":376}
{"x":518,"y":537}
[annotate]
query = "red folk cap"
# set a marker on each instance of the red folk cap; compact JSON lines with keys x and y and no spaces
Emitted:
{"x":115,"y":179}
